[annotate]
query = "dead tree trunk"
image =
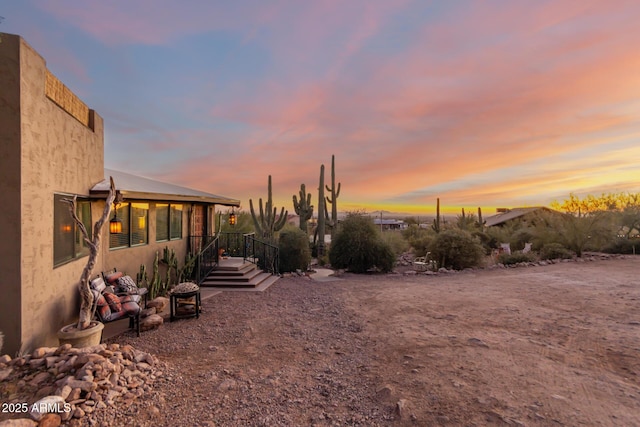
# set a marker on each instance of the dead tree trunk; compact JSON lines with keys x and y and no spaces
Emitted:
{"x":86,"y":297}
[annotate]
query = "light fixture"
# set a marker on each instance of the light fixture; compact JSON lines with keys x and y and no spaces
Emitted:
{"x":115,"y":225}
{"x":232,"y":218}
{"x":66,"y":228}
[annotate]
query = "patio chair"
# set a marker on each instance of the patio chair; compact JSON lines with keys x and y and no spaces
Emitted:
{"x":109,"y":307}
{"x":124,"y":285}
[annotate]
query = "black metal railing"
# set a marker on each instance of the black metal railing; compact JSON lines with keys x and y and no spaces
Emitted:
{"x":207,"y":259}
{"x":197,"y":243}
{"x":265,"y":255}
{"x":232,"y":243}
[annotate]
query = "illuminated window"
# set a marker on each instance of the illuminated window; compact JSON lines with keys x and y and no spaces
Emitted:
{"x":68,"y":243}
{"x":135,"y":226}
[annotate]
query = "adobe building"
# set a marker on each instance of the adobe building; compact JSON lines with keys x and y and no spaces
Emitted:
{"x":52,"y":148}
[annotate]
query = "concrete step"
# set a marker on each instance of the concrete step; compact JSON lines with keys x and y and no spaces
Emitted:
{"x":234,"y":271}
{"x":235,"y":282}
{"x":260,"y":287}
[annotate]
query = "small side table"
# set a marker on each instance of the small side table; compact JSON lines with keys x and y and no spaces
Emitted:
{"x":178,"y":298}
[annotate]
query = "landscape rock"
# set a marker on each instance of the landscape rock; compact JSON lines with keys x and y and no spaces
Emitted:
{"x":159,"y":303}
{"x":151,"y":322}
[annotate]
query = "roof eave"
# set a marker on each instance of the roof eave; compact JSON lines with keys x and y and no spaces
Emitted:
{"x":136,"y":195}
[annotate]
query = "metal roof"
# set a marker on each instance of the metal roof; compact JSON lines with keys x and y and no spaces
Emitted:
{"x":137,"y":187}
{"x":511,"y":214}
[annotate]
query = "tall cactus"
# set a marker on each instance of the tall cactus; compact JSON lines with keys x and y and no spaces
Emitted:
{"x":436,"y":221}
{"x":268,"y":222}
{"x":480,"y":221}
{"x":303,"y":208}
{"x":334,"y":198}
{"x":321,"y":214}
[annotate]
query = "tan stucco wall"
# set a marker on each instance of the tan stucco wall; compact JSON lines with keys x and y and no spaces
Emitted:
{"x":10,"y":208}
{"x":59,"y":155}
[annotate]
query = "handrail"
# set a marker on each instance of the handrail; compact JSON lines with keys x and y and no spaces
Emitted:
{"x":263,"y":254}
{"x":207,"y":260}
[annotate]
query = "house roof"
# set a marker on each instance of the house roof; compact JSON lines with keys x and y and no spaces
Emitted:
{"x":510,"y":214}
{"x":137,"y":187}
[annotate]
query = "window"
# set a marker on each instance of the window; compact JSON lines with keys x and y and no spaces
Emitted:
{"x":168,"y":222}
{"x":68,"y":242}
{"x":135,"y":218}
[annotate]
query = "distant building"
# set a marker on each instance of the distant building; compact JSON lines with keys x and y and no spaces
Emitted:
{"x":505,"y":215}
{"x":390,"y":224}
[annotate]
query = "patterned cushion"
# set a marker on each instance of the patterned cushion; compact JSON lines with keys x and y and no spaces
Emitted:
{"x":113,"y":277}
{"x":113,"y":301}
{"x":126,"y":285}
{"x":98,"y":284}
{"x":130,"y":298}
{"x":103,"y":310}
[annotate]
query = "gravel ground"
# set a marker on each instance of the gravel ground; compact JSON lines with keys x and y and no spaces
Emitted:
{"x":290,"y":356}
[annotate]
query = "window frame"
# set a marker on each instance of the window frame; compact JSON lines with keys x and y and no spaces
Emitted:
{"x":129,"y":228}
{"x":64,"y":223}
{"x":171,"y":209}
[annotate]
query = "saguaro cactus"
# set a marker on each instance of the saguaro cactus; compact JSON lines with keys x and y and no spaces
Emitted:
{"x":321,"y":214}
{"x":303,"y":207}
{"x":436,"y":221}
{"x":480,"y":221}
{"x":333,"y":200}
{"x":268,"y":222}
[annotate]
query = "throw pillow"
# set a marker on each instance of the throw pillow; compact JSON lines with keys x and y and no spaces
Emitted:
{"x":114,"y":302}
{"x":126,"y":285}
{"x":111,"y":278}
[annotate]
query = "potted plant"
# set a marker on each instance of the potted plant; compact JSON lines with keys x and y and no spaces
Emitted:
{"x":87,"y":332}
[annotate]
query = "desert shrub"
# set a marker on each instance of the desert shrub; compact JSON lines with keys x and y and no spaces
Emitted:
{"x":418,"y":238}
{"x":555,"y":251}
{"x":488,"y":242}
{"x":622,"y":246}
{"x":456,"y":249}
{"x":395,"y":240}
{"x":515,"y":258}
{"x":520,"y":238}
{"x":295,"y":253}
{"x":358,"y":246}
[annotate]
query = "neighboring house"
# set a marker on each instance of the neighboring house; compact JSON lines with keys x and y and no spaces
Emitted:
{"x":52,"y":148}
{"x":505,"y":215}
{"x":390,"y":224}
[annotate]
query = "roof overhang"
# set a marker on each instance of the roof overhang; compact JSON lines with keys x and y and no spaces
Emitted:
{"x":133,"y":187}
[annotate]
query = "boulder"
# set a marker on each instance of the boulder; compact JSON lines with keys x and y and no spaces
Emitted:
{"x":151,"y":322}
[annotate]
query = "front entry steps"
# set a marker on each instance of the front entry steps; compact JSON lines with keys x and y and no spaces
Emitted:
{"x":236,"y":274}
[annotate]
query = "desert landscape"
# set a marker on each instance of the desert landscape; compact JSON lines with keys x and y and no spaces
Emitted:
{"x":549,"y":345}
{"x":555,"y":345}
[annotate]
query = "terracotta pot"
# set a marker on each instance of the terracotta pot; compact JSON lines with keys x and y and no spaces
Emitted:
{"x":80,"y":338}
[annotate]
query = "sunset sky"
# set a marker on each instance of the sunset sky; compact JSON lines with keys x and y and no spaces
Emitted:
{"x":479,"y":103}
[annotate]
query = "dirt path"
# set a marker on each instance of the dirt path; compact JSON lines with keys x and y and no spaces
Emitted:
{"x":549,"y":346}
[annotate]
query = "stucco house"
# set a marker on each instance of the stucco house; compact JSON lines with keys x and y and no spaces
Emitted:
{"x":51,"y":148}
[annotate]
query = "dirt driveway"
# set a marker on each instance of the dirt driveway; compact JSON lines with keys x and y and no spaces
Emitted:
{"x":557,"y":345}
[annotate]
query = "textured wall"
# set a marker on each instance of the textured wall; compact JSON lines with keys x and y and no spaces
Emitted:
{"x":59,"y":155}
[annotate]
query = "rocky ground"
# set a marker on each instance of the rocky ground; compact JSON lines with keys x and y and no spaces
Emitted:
{"x":546,"y":345}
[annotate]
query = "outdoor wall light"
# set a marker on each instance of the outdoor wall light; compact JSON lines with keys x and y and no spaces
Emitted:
{"x":115,"y":225}
{"x":232,"y":218}
{"x":66,"y":228}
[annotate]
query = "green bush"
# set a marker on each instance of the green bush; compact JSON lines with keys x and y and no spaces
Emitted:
{"x":295,"y":253}
{"x":623,"y":246}
{"x":395,"y":240}
{"x":359,"y":248}
{"x":418,"y":238}
{"x":456,"y":249}
{"x":515,"y":258}
{"x":555,"y":251}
